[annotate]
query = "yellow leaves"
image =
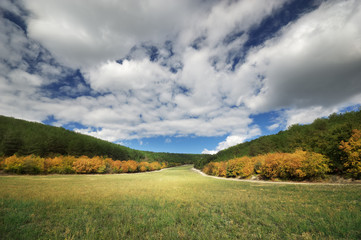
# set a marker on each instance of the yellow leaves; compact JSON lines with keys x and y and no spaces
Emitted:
{"x":352,"y":148}
{"x":85,"y":164}
{"x":155,"y":166}
{"x":240,"y":167}
{"x":68,"y":164}
{"x":28,"y":164}
{"x":143,"y":166}
{"x":297,"y":165}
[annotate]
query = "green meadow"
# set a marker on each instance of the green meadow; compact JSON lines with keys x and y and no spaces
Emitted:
{"x":175,"y":203}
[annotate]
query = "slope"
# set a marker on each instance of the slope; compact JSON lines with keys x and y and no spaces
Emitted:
{"x":322,"y":136}
{"x":23,"y":138}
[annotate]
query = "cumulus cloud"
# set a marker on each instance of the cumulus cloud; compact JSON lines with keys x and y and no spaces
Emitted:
{"x":130,"y":75}
{"x":176,"y":68}
{"x":315,"y":61}
{"x":82,"y":33}
{"x":234,"y":140}
{"x":273,"y":126}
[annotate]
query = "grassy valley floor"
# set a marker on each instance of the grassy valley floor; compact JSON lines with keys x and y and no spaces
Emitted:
{"x":175,"y":203}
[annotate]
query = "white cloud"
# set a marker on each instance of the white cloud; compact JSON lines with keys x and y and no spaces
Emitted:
{"x":130,"y":75}
{"x":315,"y":61}
{"x":82,"y":33}
{"x":273,"y":126}
{"x":234,"y":140}
{"x":311,"y":68}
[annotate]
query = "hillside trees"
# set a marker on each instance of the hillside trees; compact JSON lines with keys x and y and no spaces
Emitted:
{"x":353,"y":150}
{"x":33,"y":164}
{"x":299,"y":165}
{"x":323,"y":136}
{"x":25,"y":138}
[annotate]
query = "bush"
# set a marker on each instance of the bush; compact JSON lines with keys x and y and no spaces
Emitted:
{"x":69,"y":164}
{"x":85,"y":164}
{"x":353,"y":150}
{"x":216,"y":169}
{"x":298,"y":165}
{"x":143,"y":167}
{"x":24,"y":165}
{"x":155,"y":166}
{"x":240,"y":167}
{"x":2,"y":163}
{"x":315,"y":165}
{"x":53,"y":165}
{"x":116,"y":166}
{"x":282,"y":165}
{"x":129,"y":166}
{"x":208,"y":168}
{"x":164,"y":165}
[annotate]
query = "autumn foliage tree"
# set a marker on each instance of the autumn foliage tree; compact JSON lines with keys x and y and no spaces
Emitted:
{"x":240,"y":167}
{"x":24,"y":165}
{"x":143,"y":167}
{"x":298,"y":165}
{"x":353,"y":150}
{"x":85,"y":164}
{"x":155,"y":166}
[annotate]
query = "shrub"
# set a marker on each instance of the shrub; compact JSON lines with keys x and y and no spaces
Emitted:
{"x":2,"y":162}
{"x":116,"y":166}
{"x":24,"y":165}
{"x":155,"y":166}
{"x":67,"y":164}
{"x":129,"y":166}
{"x":221,"y":169}
{"x":164,"y":165}
{"x":13,"y":164}
{"x":143,"y":167}
{"x":132,"y":166}
{"x":353,"y":150}
{"x":216,"y":169}
{"x":85,"y":164}
{"x":315,"y":165}
{"x":240,"y":167}
{"x":53,"y":165}
{"x":208,"y":168}
{"x":258,"y":162}
{"x":298,"y":165}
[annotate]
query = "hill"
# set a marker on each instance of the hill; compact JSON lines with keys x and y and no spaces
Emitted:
{"x":23,"y":138}
{"x":322,"y":136}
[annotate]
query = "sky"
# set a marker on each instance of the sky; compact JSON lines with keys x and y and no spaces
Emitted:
{"x":188,"y":76}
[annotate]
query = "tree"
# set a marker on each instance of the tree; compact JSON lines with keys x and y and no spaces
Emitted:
{"x":353,"y":150}
{"x":12,"y":144}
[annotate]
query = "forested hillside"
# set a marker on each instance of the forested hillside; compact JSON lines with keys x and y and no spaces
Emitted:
{"x":323,"y":136}
{"x":24,"y":138}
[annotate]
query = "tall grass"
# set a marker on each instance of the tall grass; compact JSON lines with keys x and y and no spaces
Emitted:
{"x":173,"y":204}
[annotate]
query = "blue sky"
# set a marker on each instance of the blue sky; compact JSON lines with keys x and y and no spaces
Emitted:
{"x":188,"y":76}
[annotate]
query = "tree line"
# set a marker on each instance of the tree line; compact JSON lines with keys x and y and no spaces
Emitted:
{"x":323,"y":136}
{"x":24,"y":138}
{"x":69,"y":165}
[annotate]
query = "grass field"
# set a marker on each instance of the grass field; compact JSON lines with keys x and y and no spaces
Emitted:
{"x":175,"y":203}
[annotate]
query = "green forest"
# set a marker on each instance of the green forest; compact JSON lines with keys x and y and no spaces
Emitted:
{"x":24,"y":138}
{"x":323,"y":136}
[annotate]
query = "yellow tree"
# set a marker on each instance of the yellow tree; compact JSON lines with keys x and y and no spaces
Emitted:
{"x":353,"y":150}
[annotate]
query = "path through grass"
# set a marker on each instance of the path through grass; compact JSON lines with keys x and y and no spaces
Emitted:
{"x":175,"y":203}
